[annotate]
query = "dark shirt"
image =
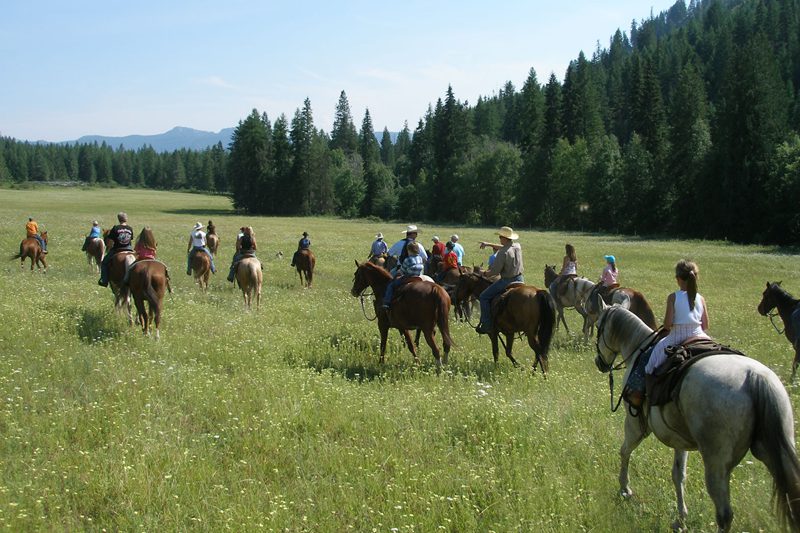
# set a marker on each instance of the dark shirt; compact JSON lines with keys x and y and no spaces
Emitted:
{"x":303,"y":244}
{"x":122,"y":237}
{"x":246,"y":243}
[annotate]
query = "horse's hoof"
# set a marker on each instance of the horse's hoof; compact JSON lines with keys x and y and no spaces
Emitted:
{"x":677,"y":525}
{"x":626,"y":494}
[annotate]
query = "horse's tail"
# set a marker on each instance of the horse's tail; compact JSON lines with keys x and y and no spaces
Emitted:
{"x":773,"y":443}
{"x":547,"y":320}
{"x":443,"y":312}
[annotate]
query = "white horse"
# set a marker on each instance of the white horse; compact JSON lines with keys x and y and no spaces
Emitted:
{"x":728,"y":404}
{"x":577,"y":292}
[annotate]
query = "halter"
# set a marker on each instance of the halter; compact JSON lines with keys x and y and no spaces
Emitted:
{"x":610,"y":367}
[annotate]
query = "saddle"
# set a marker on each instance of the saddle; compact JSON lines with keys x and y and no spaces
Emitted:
{"x":499,"y":301}
{"x":398,"y":293}
{"x":665,"y":385}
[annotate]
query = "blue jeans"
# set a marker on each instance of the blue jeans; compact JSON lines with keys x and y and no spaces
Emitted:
{"x":488,"y":295}
{"x":200,"y":249}
{"x":41,"y":242}
{"x":387,"y":296}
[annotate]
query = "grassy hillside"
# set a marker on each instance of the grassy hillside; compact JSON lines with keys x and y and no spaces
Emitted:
{"x":281,"y":419}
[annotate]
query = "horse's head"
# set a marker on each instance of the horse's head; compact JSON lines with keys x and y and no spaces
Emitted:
{"x":770,"y":297}
{"x":549,"y":274}
{"x":367,"y":275}
{"x":605,"y":352}
{"x":44,"y":236}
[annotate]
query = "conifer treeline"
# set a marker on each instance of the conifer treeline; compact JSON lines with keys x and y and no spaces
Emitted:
{"x":687,"y":126}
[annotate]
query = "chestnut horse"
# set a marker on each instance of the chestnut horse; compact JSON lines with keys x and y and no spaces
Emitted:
{"x":249,"y":277}
{"x":116,"y":273}
{"x":95,"y":250}
{"x":522,"y":308}
{"x":31,"y":248}
{"x":201,"y":268}
{"x":212,"y":241}
{"x":304,"y":263}
{"x":147,"y":282}
{"x":624,"y":297}
{"x":789,"y":311}
{"x":418,"y":304}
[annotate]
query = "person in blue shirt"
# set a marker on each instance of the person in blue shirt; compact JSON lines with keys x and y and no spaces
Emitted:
{"x":95,"y":233}
{"x":303,"y":244}
{"x":379,"y":247}
{"x":458,"y":249}
{"x":412,"y":266}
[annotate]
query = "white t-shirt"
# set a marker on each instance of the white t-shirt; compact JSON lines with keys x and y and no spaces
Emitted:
{"x":198,"y":239}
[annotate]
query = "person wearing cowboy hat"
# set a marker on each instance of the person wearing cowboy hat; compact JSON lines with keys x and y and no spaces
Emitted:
{"x":121,"y":237}
{"x":302,"y":244}
{"x":508,"y":265}
{"x":197,"y":243}
{"x":458,"y":249}
{"x":379,"y":247}
{"x":400,"y":248}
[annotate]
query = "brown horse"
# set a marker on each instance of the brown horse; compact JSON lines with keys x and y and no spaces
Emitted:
{"x":304,"y":263}
{"x":418,"y":305}
{"x":462,"y":308}
{"x":147,"y":282}
{"x":212,"y":241}
{"x":201,"y":268}
{"x":116,"y":273}
{"x":249,"y":277}
{"x":521,"y":308}
{"x":630,"y":299}
{"x":789,"y":311}
{"x":95,"y":250}
{"x":31,"y":248}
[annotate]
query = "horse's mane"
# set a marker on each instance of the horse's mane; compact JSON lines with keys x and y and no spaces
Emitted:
{"x":781,"y":293}
{"x":626,"y":325}
{"x":377,"y":269}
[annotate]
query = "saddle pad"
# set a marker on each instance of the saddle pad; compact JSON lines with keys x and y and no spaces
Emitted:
{"x":423,"y":277}
{"x":514,"y":285}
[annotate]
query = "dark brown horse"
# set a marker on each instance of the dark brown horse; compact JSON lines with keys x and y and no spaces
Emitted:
{"x":116,"y":273}
{"x":31,"y":248}
{"x":147,"y":282}
{"x":418,"y":305}
{"x":249,"y":277}
{"x":789,"y":311}
{"x":95,"y":250}
{"x":304,"y":263}
{"x":201,"y":268}
{"x":212,"y":240}
{"x":630,"y":299}
{"x":521,"y":308}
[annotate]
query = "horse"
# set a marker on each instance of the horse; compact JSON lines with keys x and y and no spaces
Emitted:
{"x":462,"y":308}
{"x":30,"y":247}
{"x":304,"y":263}
{"x":200,"y":264}
{"x":726,"y":405}
{"x":776,"y":296}
{"x":418,"y":305}
{"x":147,"y":281}
{"x":95,"y":250}
{"x":249,"y":277}
{"x":578,"y":290}
{"x":212,"y":241}
{"x":524,"y":308}
{"x":622,"y":296}
{"x":116,"y":273}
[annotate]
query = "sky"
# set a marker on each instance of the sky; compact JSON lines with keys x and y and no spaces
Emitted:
{"x":117,"y":68}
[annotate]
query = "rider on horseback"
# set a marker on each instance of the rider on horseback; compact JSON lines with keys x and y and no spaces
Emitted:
{"x":609,"y":277}
{"x":569,"y":270}
{"x":449,"y":262}
{"x":122,"y":236}
{"x":95,"y":233}
{"x":400,"y":248}
{"x":197,"y":244}
{"x":32,"y":231}
{"x":412,"y":266}
{"x":245,"y":247}
{"x":379,"y":247}
{"x":508,"y":265}
{"x":303,"y":244}
{"x":145,"y":249}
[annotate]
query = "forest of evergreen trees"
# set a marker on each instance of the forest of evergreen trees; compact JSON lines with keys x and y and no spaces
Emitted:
{"x":688,"y":124}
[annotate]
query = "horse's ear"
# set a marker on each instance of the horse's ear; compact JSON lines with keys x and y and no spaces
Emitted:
{"x":602,"y":304}
{"x":356,"y":261}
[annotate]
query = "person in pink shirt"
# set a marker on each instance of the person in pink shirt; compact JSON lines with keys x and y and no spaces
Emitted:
{"x":145,"y":249}
{"x":610,"y":275}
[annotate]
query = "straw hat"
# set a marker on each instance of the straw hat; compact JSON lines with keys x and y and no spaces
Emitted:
{"x":410,"y":229}
{"x":197,"y":226}
{"x":454,"y":237}
{"x":379,"y":235}
{"x":508,"y":233}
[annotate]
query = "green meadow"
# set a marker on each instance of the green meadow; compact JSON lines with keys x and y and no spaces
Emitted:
{"x":281,"y":419}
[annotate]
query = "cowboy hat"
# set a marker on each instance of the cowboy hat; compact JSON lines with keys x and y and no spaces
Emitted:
{"x":508,"y":233}
{"x":610,"y":258}
{"x":379,"y":235}
{"x":410,"y":229}
{"x":197,"y":226}
{"x":305,"y":234}
{"x":435,"y":238}
{"x":95,"y":223}
{"x":454,"y":237}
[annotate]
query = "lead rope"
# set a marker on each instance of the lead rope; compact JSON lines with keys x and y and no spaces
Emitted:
{"x":364,"y":308}
{"x":772,"y":314}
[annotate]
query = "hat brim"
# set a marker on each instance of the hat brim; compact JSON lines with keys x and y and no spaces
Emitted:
{"x":513,"y":236}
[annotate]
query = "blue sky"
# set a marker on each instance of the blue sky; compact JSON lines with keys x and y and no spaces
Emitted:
{"x":117,"y":68}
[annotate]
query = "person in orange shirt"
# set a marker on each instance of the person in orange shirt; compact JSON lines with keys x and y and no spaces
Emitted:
{"x":32,"y":230}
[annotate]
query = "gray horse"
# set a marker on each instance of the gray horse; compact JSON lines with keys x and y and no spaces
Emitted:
{"x":728,"y":404}
{"x":574,"y":296}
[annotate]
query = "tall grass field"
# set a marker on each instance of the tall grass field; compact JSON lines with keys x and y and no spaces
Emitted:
{"x":281,"y":419}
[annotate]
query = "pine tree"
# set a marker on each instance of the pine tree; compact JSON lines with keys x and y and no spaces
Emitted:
{"x":370,"y":156}
{"x":281,"y":165}
{"x":344,"y":134}
{"x":302,"y":137}
{"x":247,"y":162}
{"x":387,"y":149}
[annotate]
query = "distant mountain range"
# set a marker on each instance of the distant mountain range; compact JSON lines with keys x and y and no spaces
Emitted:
{"x":174,"y":139}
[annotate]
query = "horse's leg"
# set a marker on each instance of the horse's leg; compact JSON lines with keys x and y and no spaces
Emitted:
{"x":410,"y":344}
{"x":416,"y":338}
{"x":434,"y":348}
{"x":635,"y":433}
{"x":533,"y":342}
{"x":509,"y":346}
{"x":679,"y":480}
{"x":495,"y":348}
{"x":718,"y":477}
{"x":796,"y":359}
{"x":155,"y":314}
{"x":384,"y":334}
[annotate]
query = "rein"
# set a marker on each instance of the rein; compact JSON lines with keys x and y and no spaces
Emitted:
{"x":772,"y":314}
{"x":363,"y":297}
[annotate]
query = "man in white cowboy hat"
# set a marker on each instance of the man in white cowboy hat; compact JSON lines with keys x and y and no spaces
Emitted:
{"x":457,"y":249}
{"x":400,"y":248}
{"x":508,"y":265}
{"x":379,"y":246}
{"x":197,"y":243}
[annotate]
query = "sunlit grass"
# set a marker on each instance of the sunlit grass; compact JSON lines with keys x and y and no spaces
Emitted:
{"x":282,"y":418}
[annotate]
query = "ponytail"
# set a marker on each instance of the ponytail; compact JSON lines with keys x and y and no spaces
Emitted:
{"x":687,"y":271}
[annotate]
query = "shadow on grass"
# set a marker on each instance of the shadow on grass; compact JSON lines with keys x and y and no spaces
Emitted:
{"x":216,"y":212}
{"x":96,"y":326}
